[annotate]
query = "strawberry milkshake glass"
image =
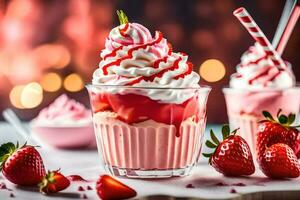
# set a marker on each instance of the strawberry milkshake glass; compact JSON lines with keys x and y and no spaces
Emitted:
{"x":263,"y":82}
{"x":256,"y":86}
{"x":149,"y":111}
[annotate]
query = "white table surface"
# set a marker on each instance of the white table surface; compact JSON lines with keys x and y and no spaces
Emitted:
{"x":88,"y":164}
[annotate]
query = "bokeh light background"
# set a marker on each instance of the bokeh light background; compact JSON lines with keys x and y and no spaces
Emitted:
{"x":52,"y":47}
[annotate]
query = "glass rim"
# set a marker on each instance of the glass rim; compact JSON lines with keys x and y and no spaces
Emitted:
{"x":241,"y":90}
{"x":201,"y":88}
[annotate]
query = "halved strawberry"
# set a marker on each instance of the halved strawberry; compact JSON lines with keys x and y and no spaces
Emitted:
{"x":133,"y":108}
{"x":232,"y":156}
{"x":99,"y":102}
{"x":22,"y":166}
{"x":109,"y":188}
{"x":271,"y":131}
{"x":54,"y":182}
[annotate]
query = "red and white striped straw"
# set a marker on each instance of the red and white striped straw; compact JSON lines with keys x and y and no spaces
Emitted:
{"x":254,"y":30}
{"x":289,"y":29}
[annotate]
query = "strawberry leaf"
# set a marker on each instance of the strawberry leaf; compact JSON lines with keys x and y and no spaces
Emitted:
{"x":207,"y":155}
{"x":283,"y":119}
{"x":278,"y":113}
{"x":211,"y":145}
{"x":267,"y":115}
{"x":225,"y":131}
{"x":6,"y":150}
{"x":214,"y":138}
{"x":291,"y":118}
{"x":122,"y":17}
{"x":235,"y":131}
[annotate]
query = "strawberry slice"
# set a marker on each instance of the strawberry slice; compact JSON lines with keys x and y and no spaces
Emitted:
{"x":99,"y":102}
{"x":133,"y":108}
{"x":130,"y":107}
{"x":109,"y":188}
{"x":54,"y":182}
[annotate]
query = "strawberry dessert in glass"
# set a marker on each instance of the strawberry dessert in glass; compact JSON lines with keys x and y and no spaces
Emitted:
{"x":258,"y":85}
{"x":149,"y":111}
{"x":263,"y":82}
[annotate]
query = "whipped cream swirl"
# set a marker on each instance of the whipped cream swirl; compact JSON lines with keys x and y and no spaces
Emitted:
{"x":256,"y":71}
{"x":132,"y":57}
{"x":63,"y":112}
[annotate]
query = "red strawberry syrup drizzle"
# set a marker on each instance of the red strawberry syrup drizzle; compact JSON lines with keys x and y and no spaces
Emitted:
{"x":190,"y":186}
{"x":254,"y":62}
{"x":130,"y":52}
{"x":113,"y":53}
{"x":233,"y":184}
{"x":80,"y":189}
{"x":239,"y":184}
{"x":221,"y":184}
{"x":233,"y":191}
{"x":265,"y":71}
{"x":4,"y":187}
{"x":76,"y":178}
{"x":155,"y":65}
{"x":159,"y":74}
{"x":123,"y":30}
{"x":89,"y":188}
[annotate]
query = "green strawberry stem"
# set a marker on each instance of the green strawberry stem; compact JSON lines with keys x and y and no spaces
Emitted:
{"x":214,"y":142}
{"x":49,"y":178}
{"x":7,"y":150}
{"x":122,"y":17}
{"x":282,"y":119}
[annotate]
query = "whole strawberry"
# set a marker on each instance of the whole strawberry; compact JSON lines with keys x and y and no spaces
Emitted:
{"x":109,"y":188}
{"x":280,"y":161}
{"x":232,"y":156}
{"x":54,"y":182}
{"x":22,"y":166}
{"x":271,"y":131}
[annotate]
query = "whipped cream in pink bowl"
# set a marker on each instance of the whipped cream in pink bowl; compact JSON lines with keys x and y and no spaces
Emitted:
{"x":65,"y":123}
{"x":64,"y":112}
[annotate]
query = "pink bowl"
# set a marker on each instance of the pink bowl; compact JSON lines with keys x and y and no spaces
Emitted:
{"x":67,"y":137}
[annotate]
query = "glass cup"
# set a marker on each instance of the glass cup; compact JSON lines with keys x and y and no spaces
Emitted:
{"x":244,"y":108}
{"x":138,"y":137}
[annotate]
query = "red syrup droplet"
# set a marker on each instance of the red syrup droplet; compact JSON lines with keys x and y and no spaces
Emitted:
{"x":80,"y":188}
{"x":89,"y":188}
{"x":84,"y":196}
{"x":3,"y":186}
{"x":190,"y":186}
{"x":76,"y":178}
{"x":239,"y":184}
{"x":221,"y":184}
{"x":233,"y":191}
